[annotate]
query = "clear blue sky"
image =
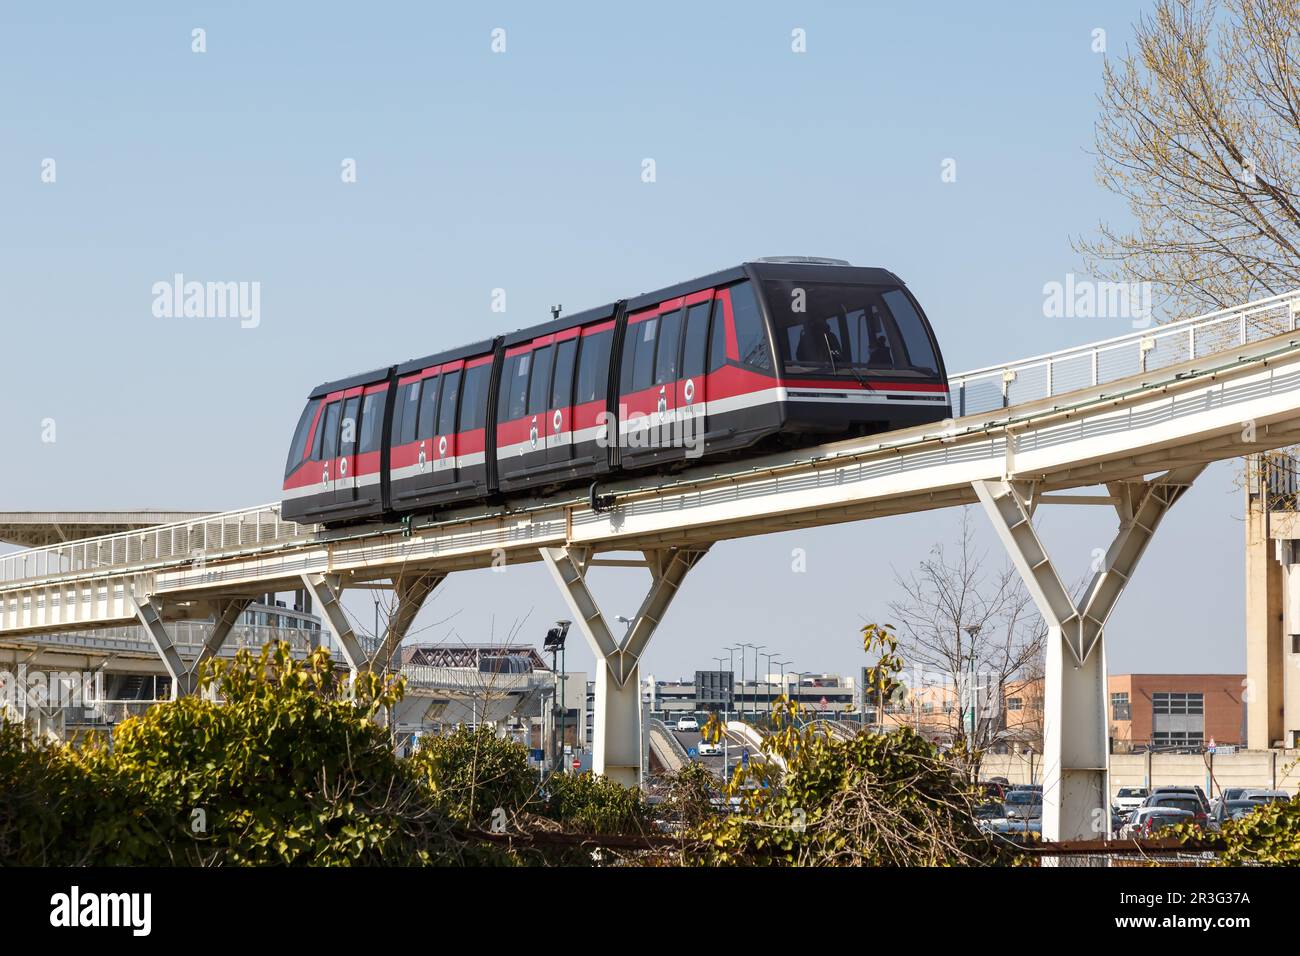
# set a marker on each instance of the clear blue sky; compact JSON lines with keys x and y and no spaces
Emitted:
{"x":522,"y":170}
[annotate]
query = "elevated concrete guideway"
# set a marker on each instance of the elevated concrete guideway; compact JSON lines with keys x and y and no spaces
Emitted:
{"x":1140,"y":415}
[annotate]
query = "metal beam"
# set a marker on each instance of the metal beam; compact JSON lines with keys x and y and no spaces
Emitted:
{"x":411,"y":591}
{"x":325,"y":590}
{"x":616,"y":744}
{"x":150,"y":615}
{"x":227,"y":616}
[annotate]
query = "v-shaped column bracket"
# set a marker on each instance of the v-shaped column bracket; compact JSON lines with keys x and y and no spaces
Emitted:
{"x":668,"y":568}
{"x":1140,"y":505}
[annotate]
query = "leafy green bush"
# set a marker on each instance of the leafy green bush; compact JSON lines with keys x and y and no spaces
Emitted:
{"x":591,"y":804}
{"x":474,"y":773}
{"x":1268,"y":836}
{"x":290,"y":769}
{"x":873,"y":800}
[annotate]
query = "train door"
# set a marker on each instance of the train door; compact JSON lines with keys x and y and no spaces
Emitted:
{"x":425,"y":476}
{"x":637,"y":396}
{"x":369,"y":464}
{"x":406,"y":461}
{"x":692,"y":383}
{"x":595,"y":430}
{"x":445,"y":447}
{"x":664,"y":433}
{"x":329,"y":448}
{"x":345,"y":477}
{"x":560,"y":424}
{"x":539,"y":399}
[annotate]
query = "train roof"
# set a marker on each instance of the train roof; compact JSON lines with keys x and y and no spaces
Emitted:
{"x":352,"y":381}
{"x":450,"y":355}
{"x":781,"y":267}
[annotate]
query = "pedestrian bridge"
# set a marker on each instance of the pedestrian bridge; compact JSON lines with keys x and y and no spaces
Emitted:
{"x":1140,"y":415}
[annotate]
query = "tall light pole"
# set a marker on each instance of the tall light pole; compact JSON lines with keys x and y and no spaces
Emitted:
{"x":731,"y":689}
{"x":757,"y":648}
{"x":799,"y":676}
{"x":555,"y":644}
{"x":767,"y":676}
{"x":973,"y":630}
{"x":741,"y":647}
{"x":782,"y":664}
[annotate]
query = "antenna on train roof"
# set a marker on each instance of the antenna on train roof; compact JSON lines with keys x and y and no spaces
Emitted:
{"x":555,"y":311}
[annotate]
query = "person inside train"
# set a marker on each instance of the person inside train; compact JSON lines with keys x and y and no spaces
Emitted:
{"x":817,"y":343}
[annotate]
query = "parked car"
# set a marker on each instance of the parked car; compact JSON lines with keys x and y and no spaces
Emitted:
{"x":1023,"y":804}
{"x":1146,"y":821}
{"x":1129,"y":799}
{"x":1197,"y":792}
{"x":685,"y":724}
{"x":1179,"y":800}
{"x":1225,"y":810}
{"x":1011,"y":827}
{"x":1266,"y":796}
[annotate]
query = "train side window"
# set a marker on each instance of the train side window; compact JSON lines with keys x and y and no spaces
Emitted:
{"x":593,"y":367}
{"x":670,"y":327}
{"x":717,"y":338}
{"x":447,"y":404}
{"x":299,"y":447}
{"x":474,"y":397}
{"x":408,"y":403}
{"x":644,"y":336}
{"x":695,"y":341}
{"x":428,"y":408}
{"x":372,"y":421}
{"x":562,"y":379}
{"x":330,"y":447}
{"x":514,"y":387}
{"x":348,"y":427}
{"x":751,"y":335}
{"x":539,"y":389}
{"x":920,"y":353}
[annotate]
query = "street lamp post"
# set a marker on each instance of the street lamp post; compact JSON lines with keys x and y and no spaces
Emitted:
{"x":767,"y":677}
{"x":555,"y":644}
{"x":741,"y":647}
{"x":973,"y":630}
{"x":757,"y":648}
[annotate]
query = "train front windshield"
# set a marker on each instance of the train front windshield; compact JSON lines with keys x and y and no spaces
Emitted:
{"x":842,"y":329}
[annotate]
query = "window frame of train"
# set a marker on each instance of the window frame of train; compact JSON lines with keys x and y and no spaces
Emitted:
{"x":425,"y":399}
{"x":301,"y":447}
{"x":552,"y":434}
{"x":896,"y":317}
{"x":696,"y":379}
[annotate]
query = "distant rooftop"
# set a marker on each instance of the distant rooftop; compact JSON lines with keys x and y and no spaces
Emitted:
{"x":469,"y":655}
{"x":35,"y":529}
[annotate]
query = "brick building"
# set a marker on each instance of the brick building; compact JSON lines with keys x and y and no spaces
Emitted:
{"x":1175,"y":710}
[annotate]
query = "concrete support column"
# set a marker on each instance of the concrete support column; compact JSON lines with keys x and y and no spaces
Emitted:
{"x":1075,"y":765}
{"x":1264,"y":637}
{"x":616,"y":727}
{"x":1076,"y":789}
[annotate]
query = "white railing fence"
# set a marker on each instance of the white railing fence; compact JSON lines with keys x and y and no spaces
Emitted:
{"x":1086,"y":366}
